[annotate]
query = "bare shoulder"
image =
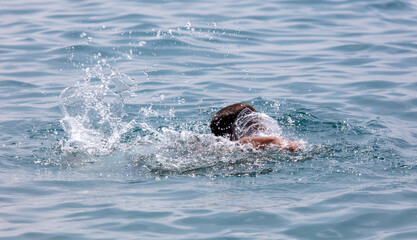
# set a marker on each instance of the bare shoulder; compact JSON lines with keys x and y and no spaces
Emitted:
{"x":259,"y":142}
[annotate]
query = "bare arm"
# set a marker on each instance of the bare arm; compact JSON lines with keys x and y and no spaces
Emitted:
{"x":268,"y":142}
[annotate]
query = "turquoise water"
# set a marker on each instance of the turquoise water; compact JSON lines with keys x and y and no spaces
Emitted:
{"x":105,"y":105}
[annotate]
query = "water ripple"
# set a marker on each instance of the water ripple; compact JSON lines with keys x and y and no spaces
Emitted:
{"x":105,"y":109}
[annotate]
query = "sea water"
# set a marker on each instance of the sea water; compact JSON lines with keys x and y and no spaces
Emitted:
{"x":105,"y":107}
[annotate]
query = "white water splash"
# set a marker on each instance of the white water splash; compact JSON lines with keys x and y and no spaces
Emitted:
{"x":249,"y":123}
{"x":93,"y":111}
{"x":181,"y":151}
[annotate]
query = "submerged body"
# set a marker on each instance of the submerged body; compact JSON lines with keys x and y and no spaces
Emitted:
{"x":240,"y":122}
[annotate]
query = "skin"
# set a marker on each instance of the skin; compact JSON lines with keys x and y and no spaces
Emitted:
{"x":270,"y":142}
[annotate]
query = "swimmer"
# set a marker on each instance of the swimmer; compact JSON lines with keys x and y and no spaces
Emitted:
{"x":241,"y":123}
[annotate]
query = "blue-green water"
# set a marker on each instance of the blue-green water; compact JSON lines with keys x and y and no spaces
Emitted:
{"x":105,"y":105}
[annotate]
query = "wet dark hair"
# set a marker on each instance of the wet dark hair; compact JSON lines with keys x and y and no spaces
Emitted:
{"x":222,"y":122}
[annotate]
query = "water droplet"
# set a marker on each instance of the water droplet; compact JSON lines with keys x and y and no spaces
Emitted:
{"x":171,"y":112}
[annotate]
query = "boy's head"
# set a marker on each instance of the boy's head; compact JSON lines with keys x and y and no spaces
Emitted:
{"x":222,"y":122}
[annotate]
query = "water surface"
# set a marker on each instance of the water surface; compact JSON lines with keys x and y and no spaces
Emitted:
{"x":105,"y":108}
